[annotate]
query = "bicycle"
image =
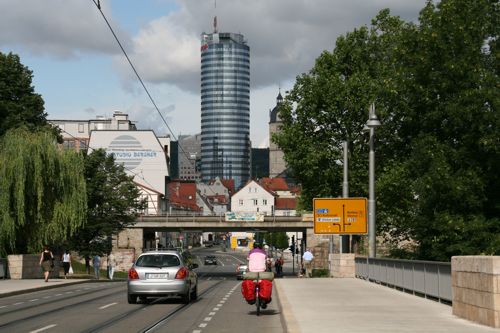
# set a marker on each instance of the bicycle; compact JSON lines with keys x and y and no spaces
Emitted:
{"x":257,"y":277}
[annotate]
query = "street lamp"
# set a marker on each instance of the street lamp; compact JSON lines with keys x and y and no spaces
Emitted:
{"x":371,"y":124}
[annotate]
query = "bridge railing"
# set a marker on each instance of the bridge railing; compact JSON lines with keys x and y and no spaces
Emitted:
{"x":430,"y":279}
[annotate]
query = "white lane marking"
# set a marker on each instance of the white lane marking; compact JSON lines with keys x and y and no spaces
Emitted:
{"x":221,"y":262}
{"x":224,"y":298}
{"x":211,"y":314}
{"x":69,"y":292}
{"x":47,"y":296}
{"x":207,"y":318}
{"x":18,"y":303}
{"x":3,"y":306}
{"x":209,"y":278}
{"x":43,"y":328}
{"x":220,"y":304}
{"x":107,"y":306}
{"x":197,"y":331}
{"x":216,"y":309}
{"x":222,"y":301}
{"x":58,"y":294}
{"x":203,"y":325}
{"x":34,"y":300}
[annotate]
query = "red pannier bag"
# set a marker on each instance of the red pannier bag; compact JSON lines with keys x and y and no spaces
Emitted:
{"x":265,"y":290}
{"x":248,"y":290}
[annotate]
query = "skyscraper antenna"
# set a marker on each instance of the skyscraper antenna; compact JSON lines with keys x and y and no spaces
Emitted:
{"x":215,"y":17}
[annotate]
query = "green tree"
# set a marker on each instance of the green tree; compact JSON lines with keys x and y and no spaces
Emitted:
{"x":42,"y":192}
{"x":277,"y":239}
{"x":435,"y":85}
{"x":113,"y":204}
{"x":19,"y":104}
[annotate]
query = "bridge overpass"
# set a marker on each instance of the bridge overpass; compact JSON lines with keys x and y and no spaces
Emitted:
{"x":168,"y":223}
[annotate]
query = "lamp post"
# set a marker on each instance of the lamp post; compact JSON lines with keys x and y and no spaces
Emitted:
{"x":371,"y":124}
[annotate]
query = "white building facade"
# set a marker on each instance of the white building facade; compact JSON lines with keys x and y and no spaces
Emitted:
{"x":253,"y":198}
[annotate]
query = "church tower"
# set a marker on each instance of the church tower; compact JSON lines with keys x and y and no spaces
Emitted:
{"x":276,"y":161}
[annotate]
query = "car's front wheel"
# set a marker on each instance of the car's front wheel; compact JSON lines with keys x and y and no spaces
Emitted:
{"x":132,"y":299}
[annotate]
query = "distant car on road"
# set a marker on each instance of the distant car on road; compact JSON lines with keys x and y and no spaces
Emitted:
{"x":241,"y":271}
{"x":210,"y":260}
{"x":162,"y":273}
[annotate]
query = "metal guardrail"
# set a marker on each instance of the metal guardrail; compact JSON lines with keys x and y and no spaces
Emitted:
{"x":431,"y":279}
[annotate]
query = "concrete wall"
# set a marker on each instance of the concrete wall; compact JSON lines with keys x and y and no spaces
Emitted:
{"x":27,"y":266}
{"x":127,"y":247}
{"x":476,"y":288}
{"x":342,"y":265}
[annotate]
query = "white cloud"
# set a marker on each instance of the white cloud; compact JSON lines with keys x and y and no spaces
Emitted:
{"x":285,"y":38}
{"x":57,"y":28}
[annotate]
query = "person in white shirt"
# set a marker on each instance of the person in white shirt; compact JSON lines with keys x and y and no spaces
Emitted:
{"x":111,"y":265}
{"x":308,"y":257}
{"x":66,"y":260}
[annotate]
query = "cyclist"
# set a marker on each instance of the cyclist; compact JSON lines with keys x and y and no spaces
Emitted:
{"x":257,"y":262}
{"x":257,"y":259}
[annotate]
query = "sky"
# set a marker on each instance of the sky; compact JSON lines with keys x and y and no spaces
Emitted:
{"x":81,"y":72}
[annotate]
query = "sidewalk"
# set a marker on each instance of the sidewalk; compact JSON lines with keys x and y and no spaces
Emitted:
{"x":11,"y":287}
{"x":325,"y":305}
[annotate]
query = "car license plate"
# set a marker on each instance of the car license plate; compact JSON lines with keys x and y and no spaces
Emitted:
{"x":157,"y":276}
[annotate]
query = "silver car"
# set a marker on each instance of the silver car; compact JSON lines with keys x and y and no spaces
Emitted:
{"x":162,"y":273}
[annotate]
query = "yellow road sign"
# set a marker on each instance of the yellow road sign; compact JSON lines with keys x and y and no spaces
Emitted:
{"x":340,"y":216}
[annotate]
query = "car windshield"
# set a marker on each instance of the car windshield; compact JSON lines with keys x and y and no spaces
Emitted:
{"x":158,"y":260}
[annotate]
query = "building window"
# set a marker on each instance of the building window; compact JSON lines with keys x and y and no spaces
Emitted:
{"x":255,"y":202}
{"x":241,"y":202}
{"x":264,"y":202}
{"x":80,"y":128}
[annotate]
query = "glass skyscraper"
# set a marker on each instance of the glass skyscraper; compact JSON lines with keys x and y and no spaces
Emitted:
{"x":225,"y":107}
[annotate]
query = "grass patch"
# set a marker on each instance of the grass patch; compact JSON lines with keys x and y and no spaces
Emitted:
{"x":80,"y":270}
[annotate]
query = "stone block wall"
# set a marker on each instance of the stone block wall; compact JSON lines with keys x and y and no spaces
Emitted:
{"x":27,"y":266}
{"x":476,"y":288}
{"x":342,"y":265}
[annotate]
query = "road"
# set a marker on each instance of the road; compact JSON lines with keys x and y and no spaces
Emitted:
{"x":102,"y":307}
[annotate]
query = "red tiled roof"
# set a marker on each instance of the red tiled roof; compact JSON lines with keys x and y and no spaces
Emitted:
{"x":229,"y":184}
{"x":182,"y":194}
{"x":219,"y":199}
{"x":274,"y":184}
{"x":286,"y":203}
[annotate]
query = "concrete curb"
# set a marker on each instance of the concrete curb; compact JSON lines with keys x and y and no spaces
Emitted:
{"x":288,"y":320}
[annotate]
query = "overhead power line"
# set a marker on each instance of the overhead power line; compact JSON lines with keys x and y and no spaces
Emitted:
{"x":98,"y":5}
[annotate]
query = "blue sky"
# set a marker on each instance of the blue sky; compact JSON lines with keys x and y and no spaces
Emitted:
{"x":80,"y":71}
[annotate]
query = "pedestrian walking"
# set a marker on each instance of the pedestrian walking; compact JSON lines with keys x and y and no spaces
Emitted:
{"x":111,"y":265}
{"x":46,"y":262}
{"x":308,"y":257}
{"x":87,"y":263}
{"x":278,"y":265}
{"x":66,"y":261}
{"x":96,"y":262}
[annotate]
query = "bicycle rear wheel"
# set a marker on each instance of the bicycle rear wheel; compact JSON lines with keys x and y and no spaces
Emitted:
{"x":257,"y":304}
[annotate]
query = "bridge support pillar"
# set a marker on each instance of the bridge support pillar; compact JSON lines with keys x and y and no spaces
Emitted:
{"x":476,"y":288}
